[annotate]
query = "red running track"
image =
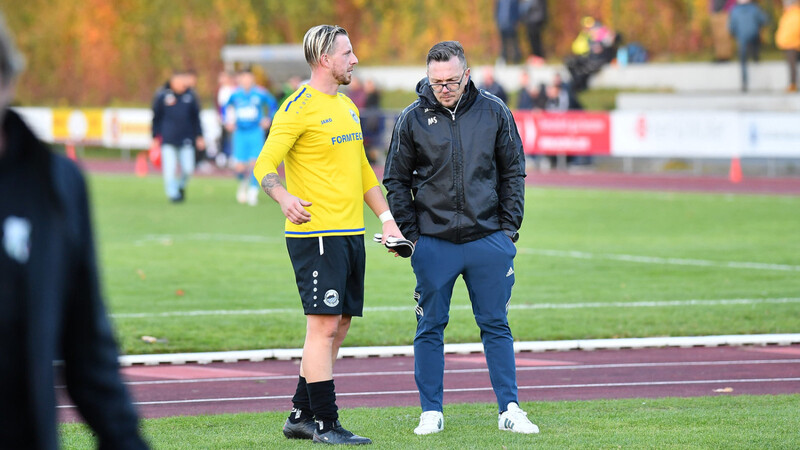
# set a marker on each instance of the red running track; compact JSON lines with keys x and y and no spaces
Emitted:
{"x":191,"y":389}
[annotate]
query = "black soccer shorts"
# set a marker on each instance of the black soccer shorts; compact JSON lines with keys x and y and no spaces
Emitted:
{"x":329,"y":271}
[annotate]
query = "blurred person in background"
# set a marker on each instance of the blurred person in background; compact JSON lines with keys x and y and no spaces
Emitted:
{"x":357,"y":93}
{"x":490,"y":85}
{"x":787,"y":38}
{"x":455,"y":180}
{"x":372,"y":123}
{"x":506,"y":14}
{"x":744,"y":24}
{"x":529,"y":97}
{"x":534,"y":16}
{"x":226,"y":84}
{"x":594,"y":47}
{"x":723,"y":45}
{"x":249,"y":115}
{"x":176,"y":127}
{"x":50,"y":302}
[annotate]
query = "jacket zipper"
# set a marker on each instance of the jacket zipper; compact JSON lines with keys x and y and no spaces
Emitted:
{"x":458,"y":173}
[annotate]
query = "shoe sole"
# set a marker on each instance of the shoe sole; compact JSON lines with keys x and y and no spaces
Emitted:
{"x":427,"y":432}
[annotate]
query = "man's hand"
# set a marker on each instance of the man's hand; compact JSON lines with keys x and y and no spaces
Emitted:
{"x":294,"y":208}
{"x":390,"y":229}
{"x":200,"y":143}
{"x":266,"y":122}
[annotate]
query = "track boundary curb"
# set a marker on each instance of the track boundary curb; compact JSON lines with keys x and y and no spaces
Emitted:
{"x":527,"y":346}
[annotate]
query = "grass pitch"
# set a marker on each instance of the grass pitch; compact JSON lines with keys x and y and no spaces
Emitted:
{"x":740,"y":422}
{"x":212,"y":275}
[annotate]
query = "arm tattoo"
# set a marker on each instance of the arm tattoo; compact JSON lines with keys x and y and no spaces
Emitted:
{"x":270,"y":182}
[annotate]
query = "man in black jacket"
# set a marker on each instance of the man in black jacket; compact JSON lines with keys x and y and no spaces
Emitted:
{"x":455,"y":176}
{"x":50,"y":304}
{"x":176,"y":126}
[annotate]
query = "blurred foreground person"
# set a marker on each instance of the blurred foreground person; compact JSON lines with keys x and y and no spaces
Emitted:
{"x":317,"y":135}
{"x":50,"y":304}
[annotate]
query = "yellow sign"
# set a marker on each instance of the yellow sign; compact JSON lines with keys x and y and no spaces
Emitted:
{"x":78,"y":125}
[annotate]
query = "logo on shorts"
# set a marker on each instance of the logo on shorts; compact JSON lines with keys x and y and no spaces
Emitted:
{"x":331,"y":298}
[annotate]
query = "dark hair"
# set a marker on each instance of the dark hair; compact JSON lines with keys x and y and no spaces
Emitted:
{"x":445,"y":50}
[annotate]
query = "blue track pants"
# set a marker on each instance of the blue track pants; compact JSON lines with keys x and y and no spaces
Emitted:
{"x":487,"y":266}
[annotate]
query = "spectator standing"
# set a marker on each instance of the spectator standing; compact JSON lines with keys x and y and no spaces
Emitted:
{"x":317,"y":135}
{"x":526,"y":97}
{"x":50,"y":302}
{"x":787,"y":38}
{"x":455,"y":179}
{"x":250,"y":111}
{"x":723,"y":46}
{"x":490,"y":85}
{"x":744,"y":24}
{"x":176,"y":125}
{"x":356,"y":93}
{"x":372,"y":123}
{"x":506,"y":15}
{"x":534,"y":16}
{"x":226,"y":85}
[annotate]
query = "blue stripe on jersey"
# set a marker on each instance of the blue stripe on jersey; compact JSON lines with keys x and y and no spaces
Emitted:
{"x":304,"y":233}
{"x":294,"y":100}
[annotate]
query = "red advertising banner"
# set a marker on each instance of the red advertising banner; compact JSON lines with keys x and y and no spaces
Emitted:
{"x":569,"y":133}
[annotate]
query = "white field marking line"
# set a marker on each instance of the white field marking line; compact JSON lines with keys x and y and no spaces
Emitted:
{"x":205,"y":237}
{"x":476,"y":370}
{"x":477,"y":389}
{"x":219,"y":237}
{"x":659,"y":260}
{"x":643,"y":304}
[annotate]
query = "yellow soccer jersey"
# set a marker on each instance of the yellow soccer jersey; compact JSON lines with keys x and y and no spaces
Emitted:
{"x":318,"y":137}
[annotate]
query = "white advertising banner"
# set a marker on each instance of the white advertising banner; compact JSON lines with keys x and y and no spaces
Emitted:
{"x":688,"y":134}
{"x":770,"y":135}
{"x":125,"y":128}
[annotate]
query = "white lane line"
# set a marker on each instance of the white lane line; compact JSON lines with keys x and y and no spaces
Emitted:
{"x":167,"y":239}
{"x":567,"y":366}
{"x":582,"y":305}
{"x":660,"y":260}
{"x":478,"y":389}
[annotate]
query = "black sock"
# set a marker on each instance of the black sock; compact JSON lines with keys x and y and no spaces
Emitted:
{"x":323,"y":404}
{"x":301,"y":407}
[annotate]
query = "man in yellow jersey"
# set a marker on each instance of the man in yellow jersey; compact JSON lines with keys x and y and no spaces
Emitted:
{"x":317,"y":134}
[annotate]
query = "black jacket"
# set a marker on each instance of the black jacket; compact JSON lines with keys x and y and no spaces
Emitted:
{"x":51,"y":304}
{"x":456,"y":176}
{"x":176,"y":117}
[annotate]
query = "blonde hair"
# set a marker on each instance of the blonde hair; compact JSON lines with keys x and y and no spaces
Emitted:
{"x":11,"y":61}
{"x":319,"y":40}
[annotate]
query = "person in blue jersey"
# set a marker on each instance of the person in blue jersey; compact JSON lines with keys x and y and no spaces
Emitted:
{"x":250,"y":111}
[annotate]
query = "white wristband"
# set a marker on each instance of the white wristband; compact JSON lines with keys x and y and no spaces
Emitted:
{"x":386,"y":216}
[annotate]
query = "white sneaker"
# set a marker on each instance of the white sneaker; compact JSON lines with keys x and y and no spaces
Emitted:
{"x":516,"y":420}
{"x":430,"y":422}
{"x":252,"y":196}
{"x":241,"y":193}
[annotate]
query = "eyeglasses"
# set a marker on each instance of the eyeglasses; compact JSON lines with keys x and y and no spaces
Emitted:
{"x":451,"y":85}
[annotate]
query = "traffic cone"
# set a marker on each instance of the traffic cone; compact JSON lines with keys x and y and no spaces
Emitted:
{"x":141,"y":164}
{"x":69,"y":149}
{"x":735,"y":174}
